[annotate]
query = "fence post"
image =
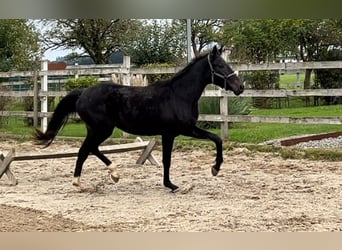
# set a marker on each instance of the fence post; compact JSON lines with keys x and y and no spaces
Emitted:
{"x":126,"y":67}
{"x":224,"y":114}
{"x":297,"y":79}
{"x":126,"y":78}
{"x":35,"y":96}
{"x":44,"y":87}
{"x":76,"y":73}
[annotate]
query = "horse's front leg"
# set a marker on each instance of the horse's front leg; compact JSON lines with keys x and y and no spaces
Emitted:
{"x":203,"y":134}
{"x":81,"y":157}
{"x":167,"y":142}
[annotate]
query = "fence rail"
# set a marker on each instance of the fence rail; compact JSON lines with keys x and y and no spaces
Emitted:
{"x":126,"y":71}
{"x":276,"y":93}
{"x":116,"y":69}
{"x":208,"y":93}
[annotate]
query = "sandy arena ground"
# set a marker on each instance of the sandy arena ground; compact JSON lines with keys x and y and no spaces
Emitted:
{"x":253,"y":192}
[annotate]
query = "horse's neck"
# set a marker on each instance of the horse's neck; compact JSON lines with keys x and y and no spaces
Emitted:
{"x":190,"y":86}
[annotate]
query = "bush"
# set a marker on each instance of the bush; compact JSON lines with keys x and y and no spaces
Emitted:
{"x":80,"y":83}
{"x":261,"y":80}
{"x":329,"y":78}
{"x":239,"y":106}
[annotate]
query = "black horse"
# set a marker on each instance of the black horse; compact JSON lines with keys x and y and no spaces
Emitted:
{"x":168,"y":108}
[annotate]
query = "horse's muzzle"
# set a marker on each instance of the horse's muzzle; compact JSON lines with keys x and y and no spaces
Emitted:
{"x":239,"y":90}
{"x":237,"y":86}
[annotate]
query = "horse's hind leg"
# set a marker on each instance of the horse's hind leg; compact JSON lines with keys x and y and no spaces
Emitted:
{"x":90,"y":145}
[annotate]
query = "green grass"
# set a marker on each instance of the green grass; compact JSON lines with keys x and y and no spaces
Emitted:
{"x":79,"y":130}
{"x":289,"y":80}
{"x":259,"y":132}
{"x":13,"y":125}
{"x":319,"y":111}
{"x":17,"y":126}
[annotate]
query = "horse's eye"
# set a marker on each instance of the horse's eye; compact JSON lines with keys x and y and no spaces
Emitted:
{"x":221,"y":66}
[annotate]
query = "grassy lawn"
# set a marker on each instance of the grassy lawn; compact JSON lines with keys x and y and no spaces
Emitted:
{"x":17,"y":126}
{"x":289,"y":80}
{"x":319,"y":111}
{"x":79,"y":130}
{"x":259,"y":132}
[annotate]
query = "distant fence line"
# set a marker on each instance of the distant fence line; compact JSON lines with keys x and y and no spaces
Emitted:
{"x":124,"y":73}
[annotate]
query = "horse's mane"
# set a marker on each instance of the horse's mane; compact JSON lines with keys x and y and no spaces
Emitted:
{"x":188,"y":67}
{"x":182,"y":71}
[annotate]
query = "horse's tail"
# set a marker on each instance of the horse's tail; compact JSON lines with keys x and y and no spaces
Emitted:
{"x":59,"y":118}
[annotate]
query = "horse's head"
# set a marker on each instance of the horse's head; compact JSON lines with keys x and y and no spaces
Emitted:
{"x":221,"y":73}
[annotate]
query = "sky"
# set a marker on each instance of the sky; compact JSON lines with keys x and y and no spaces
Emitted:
{"x":51,"y":55}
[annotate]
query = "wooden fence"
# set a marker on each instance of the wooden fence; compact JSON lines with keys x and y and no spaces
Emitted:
{"x":126,"y":72}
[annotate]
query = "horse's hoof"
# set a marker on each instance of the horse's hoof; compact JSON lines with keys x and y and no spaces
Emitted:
{"x":173,"y":187}
{"x":114,"y":177}
{"x":214,"y":171}
{"x":175,"y":190}
{"x":76,"y":182}
{"x":113,"y":174}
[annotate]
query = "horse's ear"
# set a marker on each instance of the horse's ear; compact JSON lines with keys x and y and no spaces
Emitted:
{"x":214,"y":52}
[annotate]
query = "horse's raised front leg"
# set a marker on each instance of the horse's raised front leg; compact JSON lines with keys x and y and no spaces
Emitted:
{"x":203,"y":134}
{"x":167,"y":142}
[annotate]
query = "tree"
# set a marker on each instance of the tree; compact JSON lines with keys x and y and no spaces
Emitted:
{"x":19,"y":44}
{"x":269,"y":40}
{"x":257,"y":41}
{"x":314,"y":38}
{"x":99,"y":38}
{"x":158,"y":42}
{"x":203,"y":32}
{"x":19,"y":49}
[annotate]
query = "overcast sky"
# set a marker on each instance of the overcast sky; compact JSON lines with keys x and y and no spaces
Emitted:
{"x":51,"y":55}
